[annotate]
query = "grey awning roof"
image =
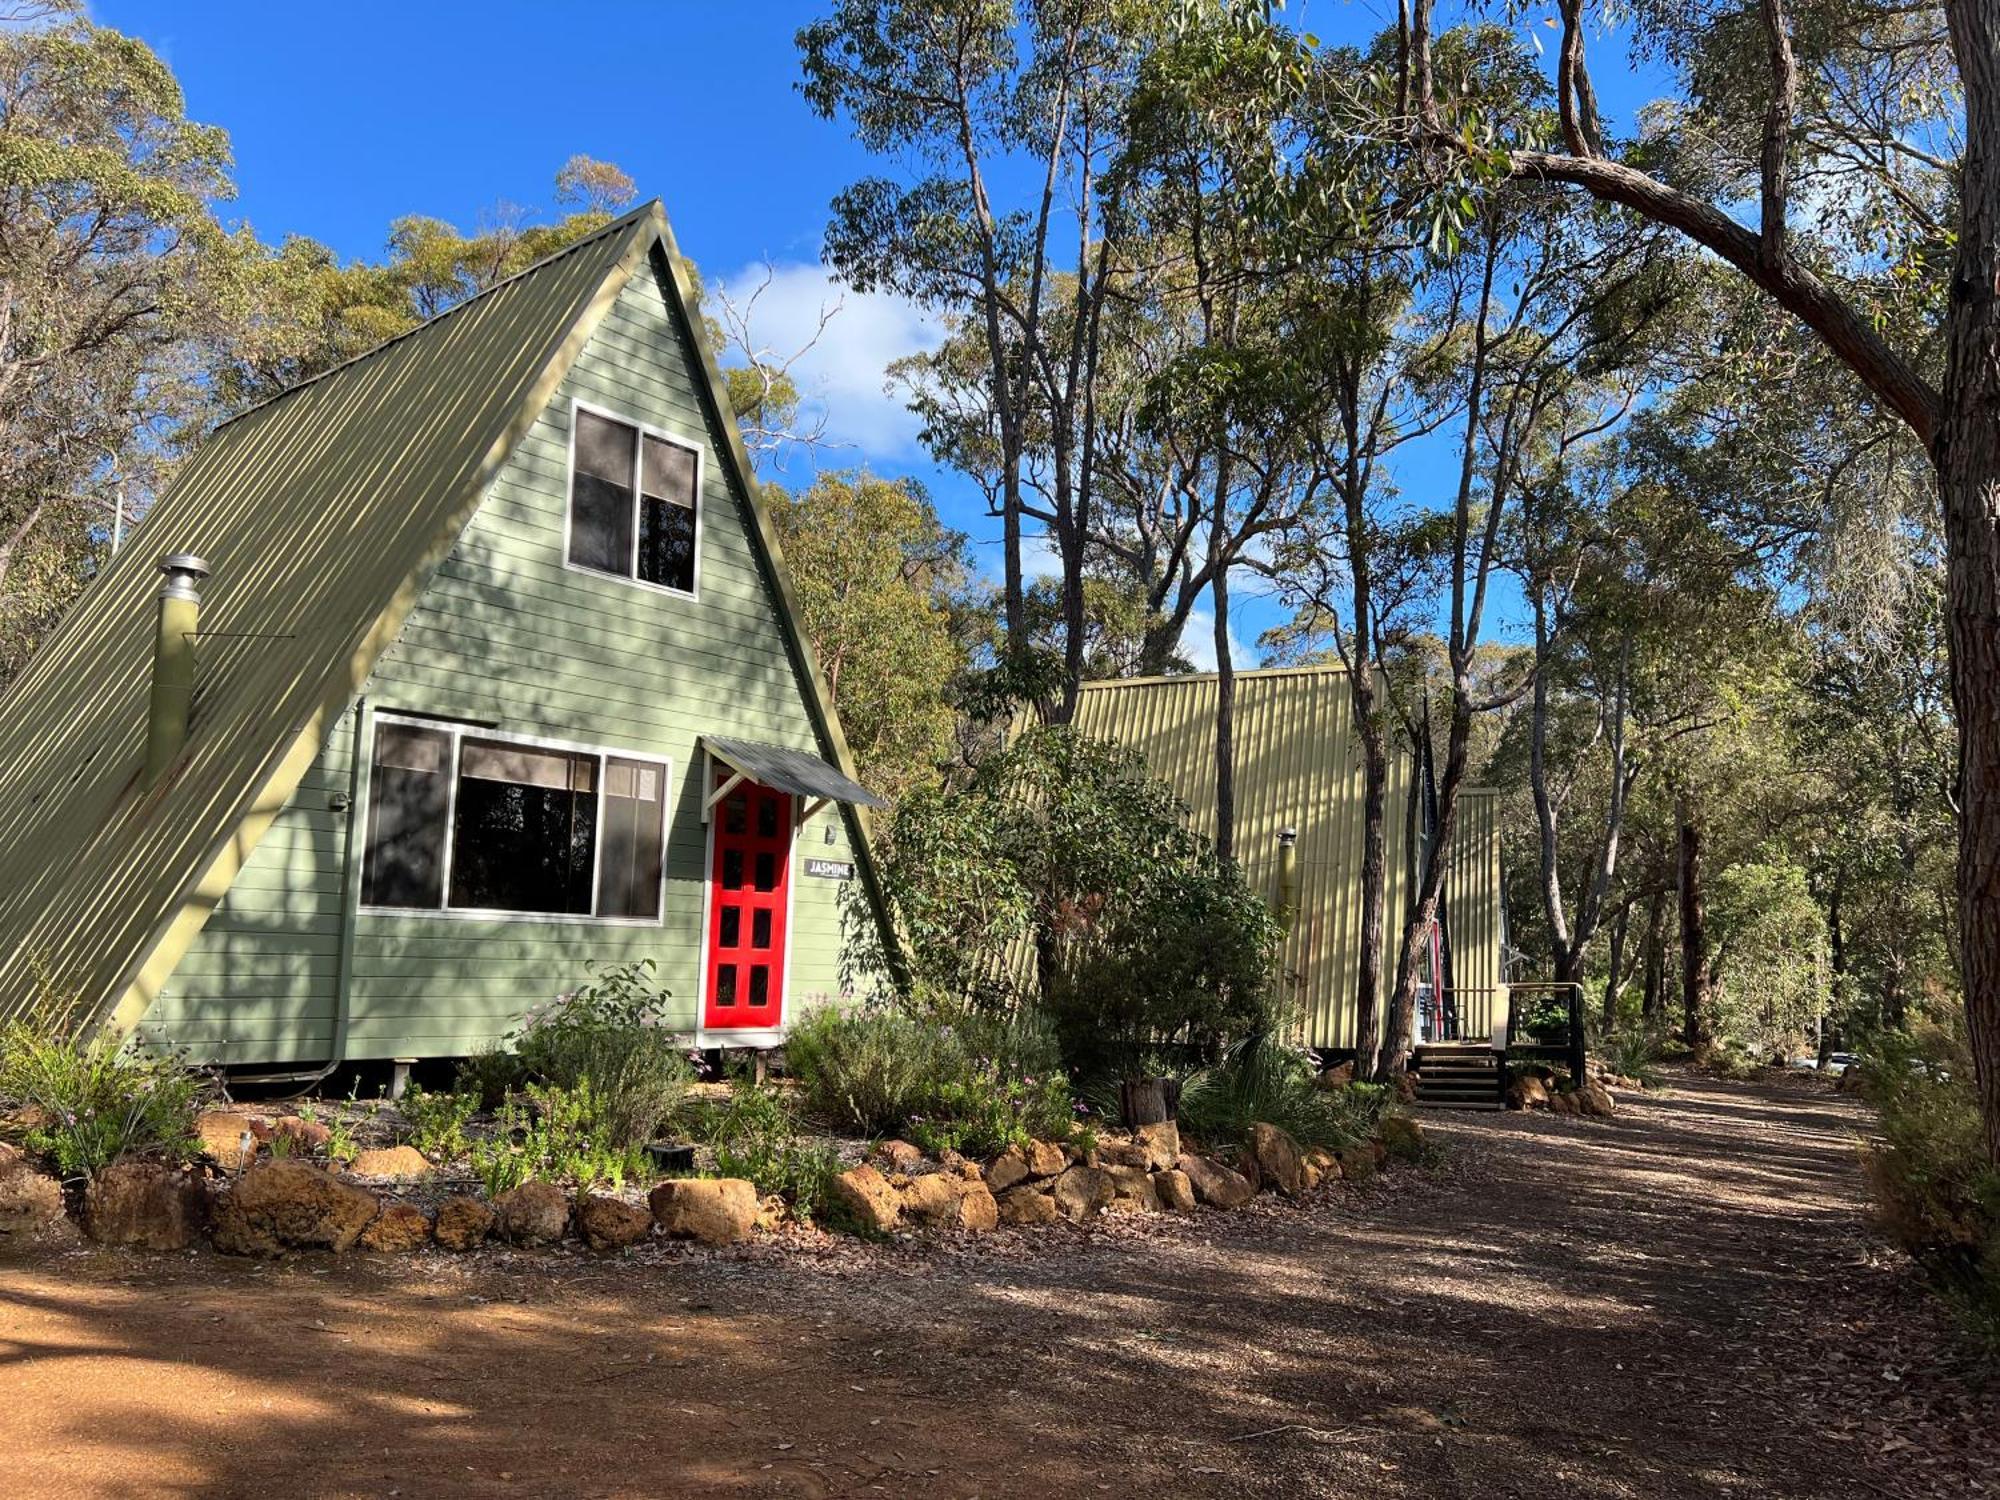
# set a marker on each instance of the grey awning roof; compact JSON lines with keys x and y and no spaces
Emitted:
{"x":790,"y":771}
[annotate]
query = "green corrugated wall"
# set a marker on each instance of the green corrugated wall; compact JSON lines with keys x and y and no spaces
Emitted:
{"x":507,"y":634}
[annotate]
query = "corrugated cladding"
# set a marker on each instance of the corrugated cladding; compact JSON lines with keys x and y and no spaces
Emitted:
{"x":1298,"y":764}
{"x":1472,"y":912}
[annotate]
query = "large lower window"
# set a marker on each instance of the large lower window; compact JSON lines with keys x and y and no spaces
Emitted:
{"x":460,"y":820}
{"x":634,"y":496}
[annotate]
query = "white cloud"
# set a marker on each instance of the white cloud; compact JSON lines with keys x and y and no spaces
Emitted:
{"x":842,"y":376}
{"x":1198,"y":643}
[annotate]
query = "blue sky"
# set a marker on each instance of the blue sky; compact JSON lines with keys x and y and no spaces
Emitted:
{"x":343,"y":118}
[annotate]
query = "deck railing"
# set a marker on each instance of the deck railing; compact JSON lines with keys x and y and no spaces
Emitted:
{"x":1570,"y":996}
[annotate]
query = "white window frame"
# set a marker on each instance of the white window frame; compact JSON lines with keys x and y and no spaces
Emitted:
{"x":645,"y":430}
{"x":459,"y":731}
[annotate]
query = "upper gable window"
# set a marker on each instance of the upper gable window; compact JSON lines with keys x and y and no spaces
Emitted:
{"x":634,"y":502}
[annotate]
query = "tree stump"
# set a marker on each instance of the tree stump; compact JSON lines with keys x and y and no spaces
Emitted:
{"x":1148,"y":1101}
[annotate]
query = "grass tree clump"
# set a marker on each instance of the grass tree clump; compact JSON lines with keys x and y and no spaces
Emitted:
{"x":1265,"y":1078}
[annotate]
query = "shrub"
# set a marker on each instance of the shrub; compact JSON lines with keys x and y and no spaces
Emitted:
{"x":610,"y":1034}
{"x":554,"y":1135}
{"x":974,"y":1086}
{"x":756,"y":1135}
{"x":1265,"y":1078}
{"x":436,"y":1122}
{"x":1635,"y":1054}
{"x":100,"y":1098}
{"x":1936,"y":1191}
{"x":1139,"y":934}
{"x":489,"y":1076}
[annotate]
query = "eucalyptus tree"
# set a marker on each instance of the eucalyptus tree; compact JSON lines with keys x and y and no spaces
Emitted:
{"x":1885,"y":118}
{"x":113,"y":271}
{"x":1007,"y":118}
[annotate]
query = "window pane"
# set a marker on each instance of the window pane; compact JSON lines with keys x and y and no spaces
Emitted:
{"x":760,"y":928}
{"x":732,"y":927}
{"x":669,"y":473}
{"x":666,"y":545}
{"x":760,"y":983}
{"x":767,"y":872}
{"x":733,"y":818}
{"x":732,"y":869}
{"x":725,"y":984}
{"x":406,"y":818}
{"x":600,"y":506}
{"x":628,"y":864}
{"x":525,"y":833}
{"x":767,"y":817}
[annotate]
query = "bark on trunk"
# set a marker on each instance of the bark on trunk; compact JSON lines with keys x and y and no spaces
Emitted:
{"x":1374,"y":872}
{"x":1655,"y":998}
{"x":1612,"y":984}
{"x":1695,"y":976}
{"x":1225,"y":724}
{"x":1967,"y":453}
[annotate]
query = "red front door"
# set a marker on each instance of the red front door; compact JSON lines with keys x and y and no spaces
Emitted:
{"x":749,"y":880}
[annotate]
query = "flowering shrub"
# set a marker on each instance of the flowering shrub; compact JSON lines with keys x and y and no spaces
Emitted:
{"x":973,"y":1085}
{"x":551,"y":1134}
{"x":611,"y":1034}
{"x":98,"y":1100}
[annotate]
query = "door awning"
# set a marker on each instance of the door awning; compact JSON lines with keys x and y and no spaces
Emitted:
{"x":798,"y":771}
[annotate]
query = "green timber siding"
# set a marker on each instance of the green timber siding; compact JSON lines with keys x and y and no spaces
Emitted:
{"x":506,"y":634}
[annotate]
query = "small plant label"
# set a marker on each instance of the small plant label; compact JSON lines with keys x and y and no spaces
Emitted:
{"x":830,"y":869}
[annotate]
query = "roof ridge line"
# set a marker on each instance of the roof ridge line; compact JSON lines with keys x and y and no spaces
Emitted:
{"x":651,"y":207}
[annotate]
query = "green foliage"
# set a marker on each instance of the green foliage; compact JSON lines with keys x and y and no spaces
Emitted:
{"x":975,"y":1085}
{"x":489,"y":1076}
{"x":1140,"y":934}
{"x":879,"y":583}
{"x":436,"y":1122}
{"x":101,"y":1100}
{"x":551,"y":1134}
{"x":610,"y":1033}
{"x":756,"y":1135}
{"x":1936,"y":1190}
{"x":1636,"y":1054}
{"x":1264,"y":1078}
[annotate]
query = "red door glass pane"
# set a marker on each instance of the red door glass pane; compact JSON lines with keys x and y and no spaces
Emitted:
{"x":749,"y":888}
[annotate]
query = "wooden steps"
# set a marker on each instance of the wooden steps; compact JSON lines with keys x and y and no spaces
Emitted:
{"x":1457,"y":1075}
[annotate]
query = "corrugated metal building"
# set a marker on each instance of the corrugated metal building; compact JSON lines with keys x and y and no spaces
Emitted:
{"x":1299,"y":766}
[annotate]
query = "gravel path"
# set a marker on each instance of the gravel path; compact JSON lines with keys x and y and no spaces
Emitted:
{"x":1681,"y":1302}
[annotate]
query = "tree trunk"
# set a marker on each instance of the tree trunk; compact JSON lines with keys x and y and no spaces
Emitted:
{"x":1695,"y":977}
{"x":1612,"y":984}
{"x":1655,"y":999}
{"x":1225,"y":723}
{"x":1967,"y":453}
{"x":1374,"y":871}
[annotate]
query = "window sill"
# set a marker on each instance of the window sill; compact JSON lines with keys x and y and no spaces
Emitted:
{"x":474,"y":914}
{"x":692,"y":595}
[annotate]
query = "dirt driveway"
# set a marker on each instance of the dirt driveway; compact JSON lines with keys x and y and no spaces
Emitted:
{"x":1683,"y":1301}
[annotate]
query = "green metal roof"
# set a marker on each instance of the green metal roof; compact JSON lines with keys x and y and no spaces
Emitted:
{"x":323,"y":514}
